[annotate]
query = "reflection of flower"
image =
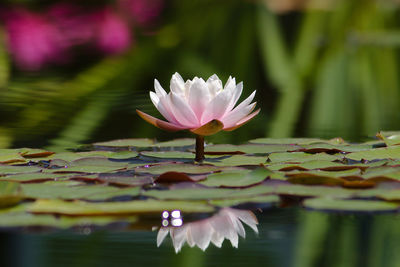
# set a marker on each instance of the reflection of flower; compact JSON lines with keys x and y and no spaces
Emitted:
{"x":227,"y":223}
{"x":196,"y":103}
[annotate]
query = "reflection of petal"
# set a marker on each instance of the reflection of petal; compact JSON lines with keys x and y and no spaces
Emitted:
{"x":162,"y":233}
{"x":226,"y":224}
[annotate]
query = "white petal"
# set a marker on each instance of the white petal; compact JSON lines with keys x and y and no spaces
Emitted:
{"x":177,"y":85}
{"x":230,"y":83}
{"x":159,"y":90}
{"x":216,"y":109}
{"x":183,"y":113}
{"x":199,"y":97}
{"x":162,"y":233}
{"x":213,"y":77}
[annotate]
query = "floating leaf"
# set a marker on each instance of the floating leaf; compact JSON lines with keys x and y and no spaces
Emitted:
{"x":116,"y":208}
{"x":238,"y":178}
{"x":349,"y":205}
{"x":296,"y":141}
{"x":10,"y":194}
{"x":62,"y":190}
{"x":185,"y":168}
{"x":177,"y":177}
{"x":392,"y":152}
{"x":249,"y":149}
{"x":126,"y":143}
{"x":34,"y":177}
{"x":390,"y":138}
{"x":264,"y":199}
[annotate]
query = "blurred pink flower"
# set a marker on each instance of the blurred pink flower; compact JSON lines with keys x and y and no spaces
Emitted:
{"x":226,"y":224}
{"x":143,"y":11}
{"x":112,"y":33}
{"x":75,"y":23}
{"x":32,"y":40}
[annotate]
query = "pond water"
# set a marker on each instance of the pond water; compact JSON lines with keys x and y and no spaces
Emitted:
{"x":287,"y":237}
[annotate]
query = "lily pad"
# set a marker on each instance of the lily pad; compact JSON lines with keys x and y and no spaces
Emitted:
{"x":350,"y":205}
{"x":239,"y":178}
{"x":392,"y":152}
{"x":43,"y":206}
{"x":53,"y":190}
{"x":263,"y":199}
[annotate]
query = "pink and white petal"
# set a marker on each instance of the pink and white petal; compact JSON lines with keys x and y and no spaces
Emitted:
{"x":236,"y":115}
{"x":243,"y":121}
{"x":183,"y":112}
{"x":177,"y":85}
{"x":161,"y":107}
{"x":160,"y":123}
{"x":237,"y":91}
{"x":199,"y":97}
{"x":166,"y":102}
{"x":216,"y":108}
{"x":158,"y":88}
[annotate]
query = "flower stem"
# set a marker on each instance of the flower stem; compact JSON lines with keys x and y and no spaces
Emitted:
{"x":199,"y":148}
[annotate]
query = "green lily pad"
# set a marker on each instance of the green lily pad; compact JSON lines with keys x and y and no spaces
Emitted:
{"x":236,"y":160}
{"x":5,"y":169}
{"x":185,"y":168}
{"x":34,"y":177}
{"x":191,"y":193}
{"x":10,"y":194}
{"x":263,"y":199}
{"x":126,"y":143}
{"x":391,"y":138}
{"x":63,"y":190}
{"x":250,"y":148}
{"x":182,"y":142}
{"x":116,"y":208}
{"x":296,"y":141}
{"x":392,"y":152}
{"x":239,"y":178}
{"x":169,"y":154}
{"x":301,"y":157}
{"x":350,"y":205}
{"x":18,"y":217}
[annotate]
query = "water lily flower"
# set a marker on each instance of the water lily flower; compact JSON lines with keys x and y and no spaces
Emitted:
{"x":226,"y":224}
{"x":203,"y":107}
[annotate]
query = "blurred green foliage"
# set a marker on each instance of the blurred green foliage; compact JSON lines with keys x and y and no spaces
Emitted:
{"x":318,"y":72}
